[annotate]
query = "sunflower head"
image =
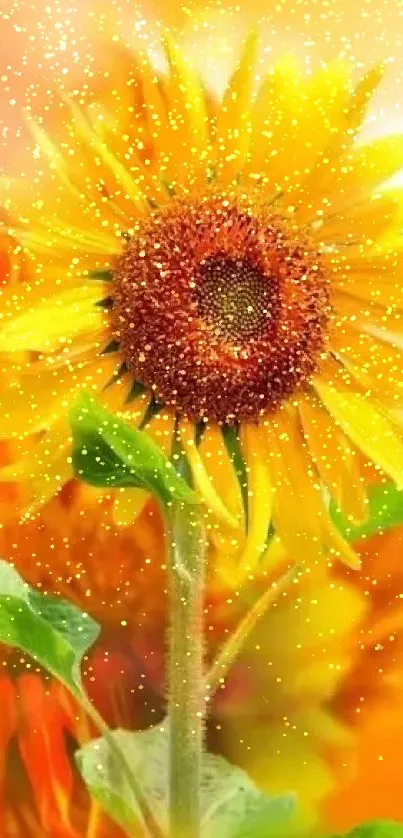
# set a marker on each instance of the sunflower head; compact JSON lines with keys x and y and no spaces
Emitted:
{"x":220,"y":307}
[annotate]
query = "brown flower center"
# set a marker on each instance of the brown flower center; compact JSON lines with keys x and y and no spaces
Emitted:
{"x":220,"y":310}
{"x":235,"y":299}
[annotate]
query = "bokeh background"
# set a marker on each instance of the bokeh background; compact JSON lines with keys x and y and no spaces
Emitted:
{"x":328,"y":717}
{"x":47,"y":40}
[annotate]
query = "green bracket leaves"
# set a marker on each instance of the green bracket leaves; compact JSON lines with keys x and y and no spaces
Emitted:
{"x":107,"y":452}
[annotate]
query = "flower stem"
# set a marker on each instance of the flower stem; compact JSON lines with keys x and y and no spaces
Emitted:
{"x":185,"y":671}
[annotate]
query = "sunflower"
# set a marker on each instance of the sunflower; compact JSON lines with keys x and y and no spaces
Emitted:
{"x":279,"y":691}
{"x":223,"y":273}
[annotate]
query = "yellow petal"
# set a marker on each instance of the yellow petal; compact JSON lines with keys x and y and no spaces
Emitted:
{"x":295,"y":117}
{"x":337,"y":546}
{"x":225,"y":542}
{"x":383,"y":291}
{"x":55,"y":220}
{"x":260,"y":497}
{"x":221,"y":469}
{"x":69,"y":172}
{"x":362,"y":96}
{"x":278,"y":100}
{"x":156,"y":108}
{"x":370,"y":429}
{"x":297,"y":505}
{"x":363,"y":223}
{"x":187,"y":129}
{"x":377,"y":365}
{"x":335,"y":458}
{"x":32,"y":403}
{"x":233,"y":122}
{"x":371,"y":274}
{"x":123,"y":119}
{"x":72,"y":315}
{"x":374,"y":162}
{"x":35,"y":292}
{"x":201,"y":477}
{"x":300,"y":515}
{"x":370,"y":317}
{"x":55,"y":158}
{"x":127,"y":179}
{"x":323,"y":180}
{"x":356,"y":174}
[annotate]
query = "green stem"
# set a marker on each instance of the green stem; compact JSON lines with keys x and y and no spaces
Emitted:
{"x":235,"y":643}
{"x":185,"y":671}
{"x":150,"y":826}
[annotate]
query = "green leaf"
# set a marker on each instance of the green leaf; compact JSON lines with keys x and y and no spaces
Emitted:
{"x":107,"y":452}
{"x":385,"y":511}
{"x":375,"y":829}
{"x":232,"y":806}
{"x":53,"y":631}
